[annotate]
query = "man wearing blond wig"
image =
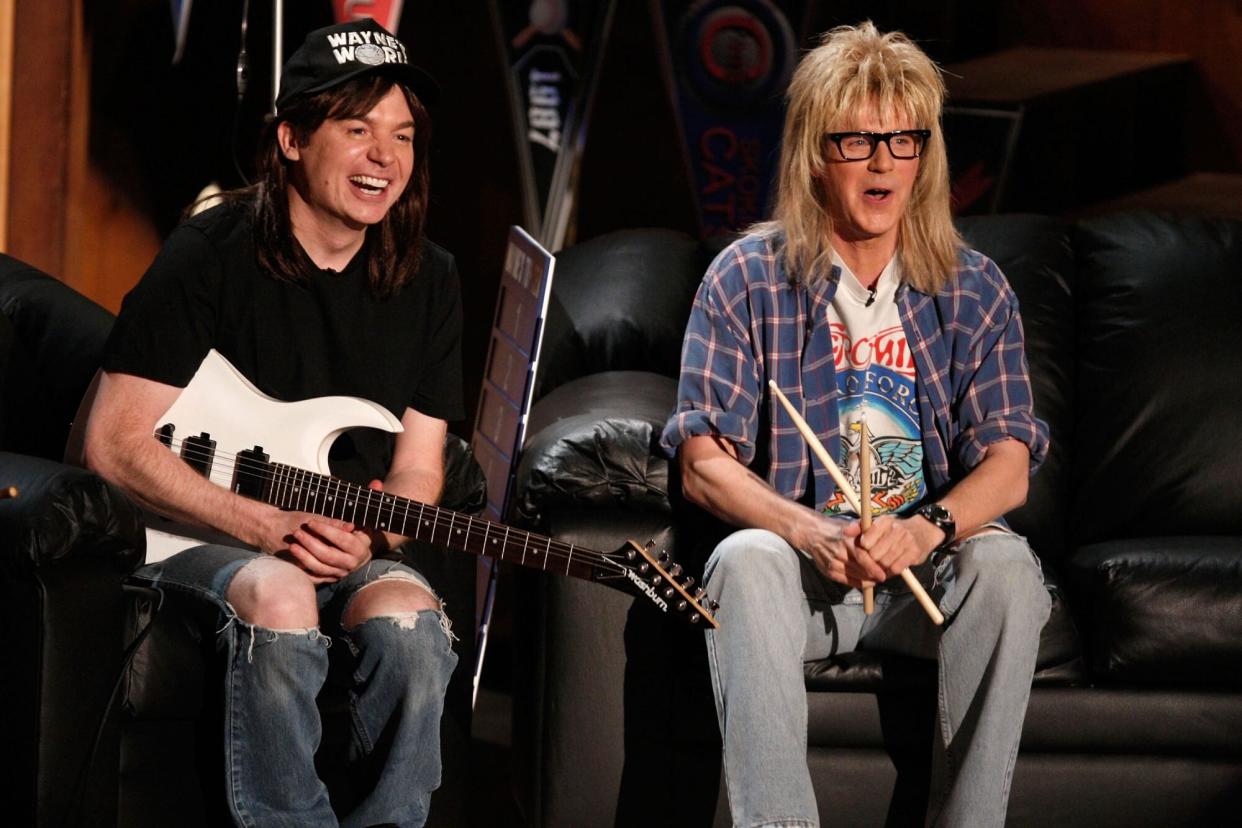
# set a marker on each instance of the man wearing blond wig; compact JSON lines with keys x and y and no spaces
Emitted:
{"x":862,"y":305}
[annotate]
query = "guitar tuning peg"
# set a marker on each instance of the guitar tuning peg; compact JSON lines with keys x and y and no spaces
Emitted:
{"x":675,"y":570}
{"x":714,"y":605}
{"x":650,"y":544}
{"x":630,"y":554}
{"x":681,"y":605}
{"x":668,"y":592}
{"x":663,"y":556}
{"x":698,"y":593}
{"x":689,"y":582}
{"x":656,"y":580}
{"x":694,"y":618}
{"x":644,"y":567}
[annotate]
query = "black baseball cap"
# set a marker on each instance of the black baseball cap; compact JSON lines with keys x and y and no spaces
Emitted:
{"x":334,"y":54}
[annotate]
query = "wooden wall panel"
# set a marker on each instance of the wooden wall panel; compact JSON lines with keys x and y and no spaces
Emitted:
{"x":6,"y":112}
{"x":1208,"y":30}
{"x":58,"y":210}
{"x":42,"y":60}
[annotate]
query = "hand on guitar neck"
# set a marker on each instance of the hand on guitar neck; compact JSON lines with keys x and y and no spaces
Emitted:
{"x":327,"y":549}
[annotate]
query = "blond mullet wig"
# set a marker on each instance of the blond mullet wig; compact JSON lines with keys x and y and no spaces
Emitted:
{"x":853,"y":69}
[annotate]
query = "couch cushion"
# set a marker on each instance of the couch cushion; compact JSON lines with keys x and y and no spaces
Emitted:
{"x":1162,"y":610}
{"x":1060,"y":720}
{"x":1159,"y":377}
{"x":8,"y":342}
{"x":620,"y":303}
{"x":59,"y":338}
{"x":1034,"y":254}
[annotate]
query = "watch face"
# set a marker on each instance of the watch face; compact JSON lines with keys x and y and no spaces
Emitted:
{"x":940,"y":516}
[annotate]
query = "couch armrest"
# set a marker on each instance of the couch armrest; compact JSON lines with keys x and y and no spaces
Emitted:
{"x":66,"y":543}
{"x":465,"y":487}
{"x":594,"y":443}
{"x":63,"y":511}
{"x":1162,"y":611}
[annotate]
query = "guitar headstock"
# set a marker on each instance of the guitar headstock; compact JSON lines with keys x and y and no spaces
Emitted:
{"x":649,"y":574}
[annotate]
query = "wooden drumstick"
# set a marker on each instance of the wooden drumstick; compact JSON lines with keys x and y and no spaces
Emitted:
{"x":817,"y":448}
{"x":864,"y":497}
{"x":8,"y":492}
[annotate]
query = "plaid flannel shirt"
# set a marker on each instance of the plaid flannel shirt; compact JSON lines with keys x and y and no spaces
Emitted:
{"x":750,"y":323}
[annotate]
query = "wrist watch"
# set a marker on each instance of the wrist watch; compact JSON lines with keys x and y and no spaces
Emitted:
{"x":941,"y":518}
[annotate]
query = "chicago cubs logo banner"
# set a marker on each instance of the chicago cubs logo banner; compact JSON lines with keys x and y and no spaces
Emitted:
{"x":553,"y":49}
{"x":387,"y":13}
{"x":727,"y":64}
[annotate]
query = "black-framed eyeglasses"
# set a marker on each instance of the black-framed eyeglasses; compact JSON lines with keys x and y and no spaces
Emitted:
{"x":859,"y":146}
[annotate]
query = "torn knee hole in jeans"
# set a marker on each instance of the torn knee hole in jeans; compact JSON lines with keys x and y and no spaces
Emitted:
{"x":406,"y":620}
{"x":409,"y":621}
{"x":271,"y":635}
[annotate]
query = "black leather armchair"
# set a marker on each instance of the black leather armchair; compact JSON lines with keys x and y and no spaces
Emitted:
{"x":1136,"y":713}
{"x":67,"y":543}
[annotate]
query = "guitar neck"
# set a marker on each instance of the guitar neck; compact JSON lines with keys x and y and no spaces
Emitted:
{"x":288,"y":487}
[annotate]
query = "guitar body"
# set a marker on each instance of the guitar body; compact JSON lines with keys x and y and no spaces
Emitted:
{"x":221,"y":403}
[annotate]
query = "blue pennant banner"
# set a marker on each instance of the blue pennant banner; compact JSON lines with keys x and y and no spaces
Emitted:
{"x":727,"y":64}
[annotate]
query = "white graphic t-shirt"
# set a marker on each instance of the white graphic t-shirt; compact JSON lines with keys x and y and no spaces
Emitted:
{"x":875,"y":380}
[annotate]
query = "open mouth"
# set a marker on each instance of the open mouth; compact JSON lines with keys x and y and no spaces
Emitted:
{"x":368,"y":184}
{"x":877,"y":193}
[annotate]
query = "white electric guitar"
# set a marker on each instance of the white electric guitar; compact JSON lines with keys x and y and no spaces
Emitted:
{"x":277,"y":452}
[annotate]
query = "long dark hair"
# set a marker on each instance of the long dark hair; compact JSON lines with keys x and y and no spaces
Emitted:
{"x":394,"y":244}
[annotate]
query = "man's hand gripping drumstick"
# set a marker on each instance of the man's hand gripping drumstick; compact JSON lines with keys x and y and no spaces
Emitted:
{"x":847,"y":491}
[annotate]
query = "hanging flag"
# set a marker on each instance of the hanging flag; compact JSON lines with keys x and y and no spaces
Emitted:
{"x":181,"y":25}
{"x":553,"y":49}
{"x":727,"y":64}
{"x":387,"y":13}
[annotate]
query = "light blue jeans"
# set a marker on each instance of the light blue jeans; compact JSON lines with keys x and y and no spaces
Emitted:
{"x":400,"y":668}
{"x":777,"y":611}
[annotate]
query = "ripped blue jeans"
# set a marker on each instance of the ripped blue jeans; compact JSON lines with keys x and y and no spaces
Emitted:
{"x":400,"y":671}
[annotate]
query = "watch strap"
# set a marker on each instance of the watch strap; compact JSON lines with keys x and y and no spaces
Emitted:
{"x":942,"y":519}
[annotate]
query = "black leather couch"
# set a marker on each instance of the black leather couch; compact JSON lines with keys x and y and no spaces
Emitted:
{"x":67,"y":543}
{"x":1136,"y":714}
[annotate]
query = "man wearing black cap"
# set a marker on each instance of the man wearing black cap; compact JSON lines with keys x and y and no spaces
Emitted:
{"x":314,"y":282}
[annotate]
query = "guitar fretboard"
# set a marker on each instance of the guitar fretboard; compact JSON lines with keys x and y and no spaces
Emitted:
{"x":288,"y":487}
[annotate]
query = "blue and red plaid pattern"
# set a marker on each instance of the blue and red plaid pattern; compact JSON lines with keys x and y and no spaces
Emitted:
{"x":750,"y":323}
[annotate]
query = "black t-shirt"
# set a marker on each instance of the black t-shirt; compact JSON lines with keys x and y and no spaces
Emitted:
{"x":295,"y":341}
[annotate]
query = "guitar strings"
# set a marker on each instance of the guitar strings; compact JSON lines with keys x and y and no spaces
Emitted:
{"x":323,"y":484}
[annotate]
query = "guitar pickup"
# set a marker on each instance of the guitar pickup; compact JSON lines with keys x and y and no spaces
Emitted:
{"x":199,"y":452}
{"x":251,"y":473}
